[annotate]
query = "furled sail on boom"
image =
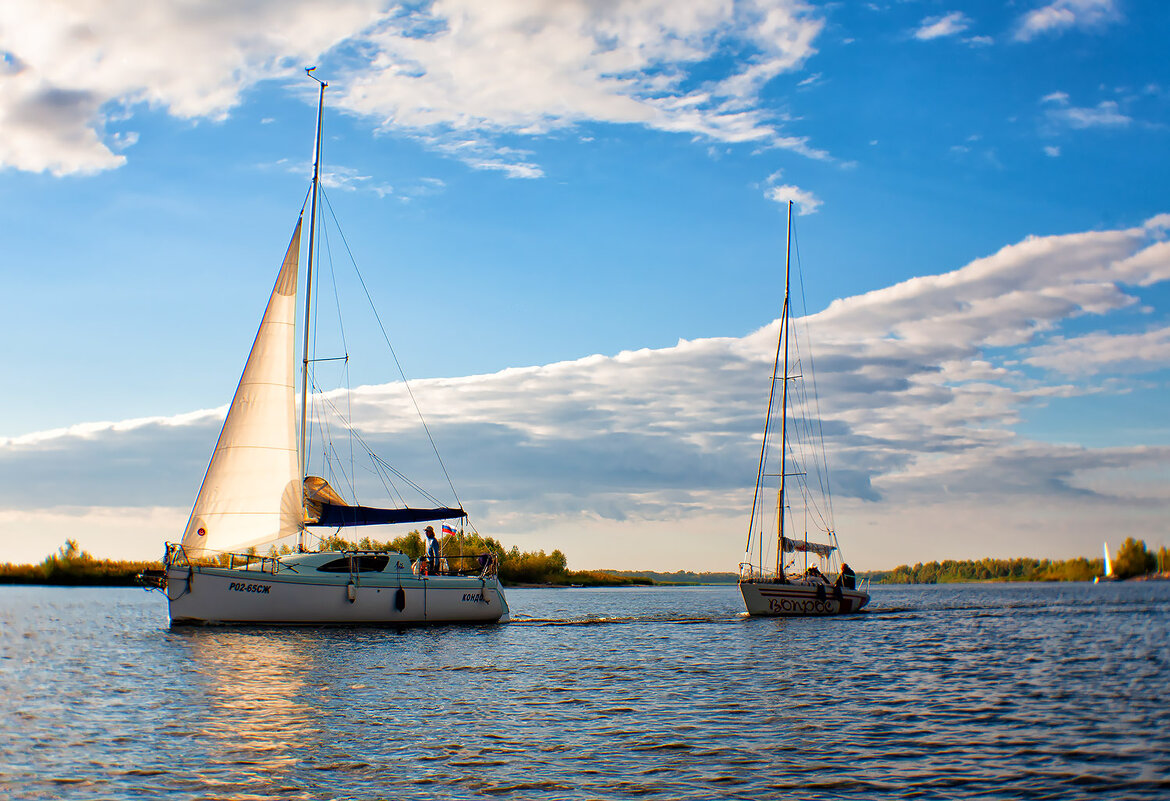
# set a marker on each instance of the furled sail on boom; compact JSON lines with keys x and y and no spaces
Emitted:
{"x":800,"y":546}
{"x":324,"y":507}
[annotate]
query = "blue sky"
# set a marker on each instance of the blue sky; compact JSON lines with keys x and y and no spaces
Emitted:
{"x":550,"y":187}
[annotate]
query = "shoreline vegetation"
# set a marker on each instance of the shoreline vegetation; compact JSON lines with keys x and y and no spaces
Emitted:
{"x":72,"y":566}
{"x":1133,"y":561}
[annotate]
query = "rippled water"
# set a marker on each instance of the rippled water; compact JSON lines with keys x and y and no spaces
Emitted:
{"x":1019,"y":691}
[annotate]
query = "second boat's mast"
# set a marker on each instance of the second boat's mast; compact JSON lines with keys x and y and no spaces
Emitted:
{"x":784,"y":401}
{"x":304,"y":454}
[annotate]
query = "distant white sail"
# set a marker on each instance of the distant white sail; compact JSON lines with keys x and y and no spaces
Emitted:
{"x":252,"y":492}
{"x":1108,"y":564}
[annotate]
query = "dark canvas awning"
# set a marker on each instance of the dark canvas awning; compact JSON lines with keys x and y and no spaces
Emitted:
{"x":334,"y":515}
{"x":324,"y":507}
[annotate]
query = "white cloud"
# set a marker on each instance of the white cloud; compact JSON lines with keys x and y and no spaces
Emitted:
{"x":1059,"y":111}
{"x":71,"y":63}
{"x":337,"y":176}
{"x":806,"y":202}
{"x":464,"y":66}
{"x":1052,"y":151}
{"x":1104,"y":115}
{"x":1061,"y":15}
{"x":813,"y":80}
{"x":920,"y":387}
{"x":455,"y":73}
{"x":947,"y":25}
{"x":1097,"y":353}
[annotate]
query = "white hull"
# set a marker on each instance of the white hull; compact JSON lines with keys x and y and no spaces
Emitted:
{"x":772,"y":599}
{"x":202,"y":594}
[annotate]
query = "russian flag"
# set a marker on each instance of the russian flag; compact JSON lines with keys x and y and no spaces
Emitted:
{"x":448,"y":530}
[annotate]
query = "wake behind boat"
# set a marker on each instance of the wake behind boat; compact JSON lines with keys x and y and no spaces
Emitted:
{"x":256,"y":494}
{"x":776,"y":588}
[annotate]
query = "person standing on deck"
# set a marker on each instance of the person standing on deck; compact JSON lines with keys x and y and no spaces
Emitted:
{"x":433,"y":550}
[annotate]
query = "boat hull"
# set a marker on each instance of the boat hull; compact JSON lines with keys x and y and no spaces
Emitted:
{"x":773,"y":599}
{"x":199,"y":595}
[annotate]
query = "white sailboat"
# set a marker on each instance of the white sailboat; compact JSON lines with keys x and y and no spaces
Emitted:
{"x":1108,"y":567}
{"x":256,"y":493}
{"x":779,"y":588}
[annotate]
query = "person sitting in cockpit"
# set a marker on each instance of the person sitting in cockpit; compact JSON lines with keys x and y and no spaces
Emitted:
{"x":847,"y":579}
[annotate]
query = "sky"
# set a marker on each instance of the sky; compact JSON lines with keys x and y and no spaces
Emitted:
{"x":570,"y":217}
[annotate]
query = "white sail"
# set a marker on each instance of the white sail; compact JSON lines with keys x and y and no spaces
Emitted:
{"x":1108,"y":564}
{"x":252,"y":492}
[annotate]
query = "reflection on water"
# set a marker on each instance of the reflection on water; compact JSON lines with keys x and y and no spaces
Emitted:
{"x":1022,"y":691}
{"x":255,"y":717}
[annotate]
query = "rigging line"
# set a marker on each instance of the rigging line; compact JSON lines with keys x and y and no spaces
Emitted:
{"x":350,"y":482}
{"x":388,"y":484}
{"x":764,"y":442}
{"x":314,"y":401}
{"x":804,"y":442}
{"x":322,"y":426}
{"x":816,"y":397}
{"x":379,"y":460}
{"x":347,"y":418}
{"x":310,"y":397}
{"x":802,"y":452}
{"x":806,"y":494}
{"x":375,"y":459}
{"x":397,"y":363}
{"x":333,"y":274}
{"x":806,"y":422}
{"x":350,"y":479}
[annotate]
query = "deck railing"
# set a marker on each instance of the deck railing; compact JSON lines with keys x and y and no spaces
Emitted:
{"x":177,"y":556}
{"x":749,"y":572}
{"x":481,"y":564}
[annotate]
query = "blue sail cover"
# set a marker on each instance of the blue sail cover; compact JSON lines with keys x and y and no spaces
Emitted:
{"x":333,"y":515}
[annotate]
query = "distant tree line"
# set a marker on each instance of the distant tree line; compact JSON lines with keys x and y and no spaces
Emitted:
{"x":515,"y":566}
{"x":677,"y":577}
{"x":72,"y":566}
{"x":1133,"y":559}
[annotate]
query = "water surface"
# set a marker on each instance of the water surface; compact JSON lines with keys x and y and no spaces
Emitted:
{"x":954,"y":691}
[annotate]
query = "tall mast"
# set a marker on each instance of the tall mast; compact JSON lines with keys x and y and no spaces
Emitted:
{"x":309,"y":291}
{"x":784,"y":397}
